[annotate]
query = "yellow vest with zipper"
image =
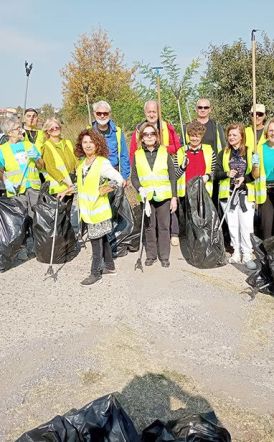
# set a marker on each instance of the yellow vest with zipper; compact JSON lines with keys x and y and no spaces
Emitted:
{"x":181,"y":182}
{"x":54,"y":186}
{"x":224,"y":185}
{"x":155,"y":180}
{"x":15,"y":174}
{"x":40,"y":139}
{"x":94,"y":208}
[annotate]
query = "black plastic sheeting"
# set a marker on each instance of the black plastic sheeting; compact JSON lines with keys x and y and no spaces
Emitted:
{"x":102,"y":420}
{"x":204,"y":242}
{"x":262,"y":280}
{"x":193,"y":428}
{"x":13,"y":225}
{"x":125,"y":235}
{"x":43,"y":225}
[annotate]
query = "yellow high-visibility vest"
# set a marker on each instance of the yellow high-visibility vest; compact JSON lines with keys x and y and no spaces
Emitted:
{"x":40,"y":139}
{"x":155,"y":180}
{"x":15,"y":174}
{"x":249,"y":134}
{"x":181,"y":182}
{"x":260,"y":183}
{"x":224,"y":185}
{"x":54,"y":186}
{"x":94,"y":208}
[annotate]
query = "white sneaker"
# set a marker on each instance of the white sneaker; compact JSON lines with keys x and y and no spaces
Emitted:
{"x":235,"y":258}
{"x":248,"y":262}
{"x":174,"y":241}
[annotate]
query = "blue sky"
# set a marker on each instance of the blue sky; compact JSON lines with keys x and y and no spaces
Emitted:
{"x":44,"y":32}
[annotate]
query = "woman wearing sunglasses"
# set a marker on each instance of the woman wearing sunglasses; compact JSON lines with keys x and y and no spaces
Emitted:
{"x":260,"y":120}
{"x":153,"y":176}
{"x":60,"y":161}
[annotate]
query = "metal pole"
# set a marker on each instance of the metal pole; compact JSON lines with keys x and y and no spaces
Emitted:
{"x":28,"y":68}
{"x":254,"y":87}
{"x":157,"y":69}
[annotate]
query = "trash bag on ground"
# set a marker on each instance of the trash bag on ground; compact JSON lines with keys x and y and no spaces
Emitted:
{"x":204,"y":242}
{"x":262,"y":280}
{"x":102,"y":420}
{"x":66,"y":247}
{"x":125,"y":235}
{"x":190,"y":428}
{"x":13,"y":226}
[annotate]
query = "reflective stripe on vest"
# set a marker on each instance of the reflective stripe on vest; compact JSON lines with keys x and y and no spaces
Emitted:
{"x":156,"y":180}
{"x":15,"y":174}
{"x":94,"y":208}
{"x":40,"y":139}
{"x":181,"y":182}
{"x":54,"y":186}
{"x":224,"y":185}
{"x":249,"y":134}
{"x":260,"y":183}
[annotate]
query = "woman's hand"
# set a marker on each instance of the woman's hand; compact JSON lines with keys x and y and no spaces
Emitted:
{"x":173,"y":204}
{"x":232,"y":173}
{"x":68,"y":191}
{"x":239,"y":181}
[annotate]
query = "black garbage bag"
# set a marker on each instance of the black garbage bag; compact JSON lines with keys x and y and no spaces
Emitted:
{"x":125,"y":235}
{"x":262,"y":280}
{"x":191,"y":428}
{"x":66,"y":247}
{"x":102,"y":420}
{"x":204,"y":242}
{"x":13,"y":226}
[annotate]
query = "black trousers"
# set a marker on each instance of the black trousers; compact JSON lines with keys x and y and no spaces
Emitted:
{"x":157,"y":230}
{"x":267,"y":214}
{"x":101,"y":255}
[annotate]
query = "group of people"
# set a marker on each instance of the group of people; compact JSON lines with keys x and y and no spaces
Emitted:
{"x":160,"y":165}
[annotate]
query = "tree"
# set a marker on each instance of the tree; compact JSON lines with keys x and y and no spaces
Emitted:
{"x":228,"y":79}
{"x":95,"y":65}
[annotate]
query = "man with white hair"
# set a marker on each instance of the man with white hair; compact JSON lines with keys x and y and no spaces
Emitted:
{"x":115,"y":139}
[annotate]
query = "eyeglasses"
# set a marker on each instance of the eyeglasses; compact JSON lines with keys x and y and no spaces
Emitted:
{"x":149,"y":134}
{"x":16,"y":128}
{"x":54,"y":128}
{"x":203,"y":107}
{"x":258,"y":114}
{"x":102,"y":114}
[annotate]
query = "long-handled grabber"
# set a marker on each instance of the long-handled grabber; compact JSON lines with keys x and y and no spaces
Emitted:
{"x":253,"y":43}
{"x":157,"y":69}
{"x":139,"y":264}
{"x":28,"y":68}
{"x":22,"y":179}
{"x":50,"y":270}
{"x":229,"y":201}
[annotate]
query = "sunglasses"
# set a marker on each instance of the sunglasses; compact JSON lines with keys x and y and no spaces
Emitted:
{"x":54,"y":128}
{"x":149,"y":134}
{"x":258,"y":114}
{"x":102,"y":114}
{"x":203,"y":107}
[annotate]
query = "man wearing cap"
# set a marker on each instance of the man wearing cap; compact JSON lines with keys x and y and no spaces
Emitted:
{"x":32,"y":133}
{"x":260,"y":119}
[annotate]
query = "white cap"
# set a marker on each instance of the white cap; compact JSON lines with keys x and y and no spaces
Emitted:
{"x":259,"y":108}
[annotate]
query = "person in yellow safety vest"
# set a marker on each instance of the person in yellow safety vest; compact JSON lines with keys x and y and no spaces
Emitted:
{"x":31,"y":132}
{"x":260,"y":119}
{"x":171,"y":140}
{"x":94,"y":207}
{"x":265,"y":183}
{"x":20,"y":162}
{"x":60,"y":160}
{"x":236,"y":168}
{"x":153,"y":176}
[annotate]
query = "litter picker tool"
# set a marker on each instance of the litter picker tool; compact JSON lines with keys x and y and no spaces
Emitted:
{"x":139,"y":264}
{"x":28,"y":69}
{"x":50,"y":270}
{"x":253,"y":43}
{"x":157,"y":69}
{"x":85,"y":87}
{"x":22,"y":179}
{"x":227,"y":207}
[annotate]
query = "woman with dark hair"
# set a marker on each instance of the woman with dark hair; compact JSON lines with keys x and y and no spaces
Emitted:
{"x":237,"y":167}
{"x":93,"y":187}
{"x":153,"y":176}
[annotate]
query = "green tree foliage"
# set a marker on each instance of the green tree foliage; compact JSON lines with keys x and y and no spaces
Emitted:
{"x":228,"y":79}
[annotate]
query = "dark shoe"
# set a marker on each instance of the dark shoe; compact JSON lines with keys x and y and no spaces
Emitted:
{"x":92,"y":279}
{"x":107,"y":271}
{"x":150,"y":261}
{"x":165,"y":263}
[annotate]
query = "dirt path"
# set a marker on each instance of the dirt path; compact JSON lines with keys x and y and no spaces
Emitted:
{"x":165,"y":339}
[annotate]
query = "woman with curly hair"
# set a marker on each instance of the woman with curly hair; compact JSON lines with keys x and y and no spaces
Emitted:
{"x":92,"y":186}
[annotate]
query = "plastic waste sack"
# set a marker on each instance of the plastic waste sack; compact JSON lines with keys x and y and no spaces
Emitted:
{"x":43,"y":226}
{"x":125,"y":235}
{"x":193,"y":428}
{"x":204,"y":242}
{"x":13,"y":225}
{"x":102,"y":420}
{"x":262,"y":280}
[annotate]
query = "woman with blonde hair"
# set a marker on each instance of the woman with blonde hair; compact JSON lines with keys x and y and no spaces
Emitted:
{"x":59,"y":158}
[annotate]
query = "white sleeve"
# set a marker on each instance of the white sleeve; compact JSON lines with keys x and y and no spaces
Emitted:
{"x":110,"y":173}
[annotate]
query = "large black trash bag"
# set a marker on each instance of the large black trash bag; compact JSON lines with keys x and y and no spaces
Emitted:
{"x":204,"y":242}
{"x":13,"y":225}
{"x":102,"y":420}
{"x":190,"y":428}
{"x":43,"y":225}
{"x":262,"y":280}
{"x":125,"y":235}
